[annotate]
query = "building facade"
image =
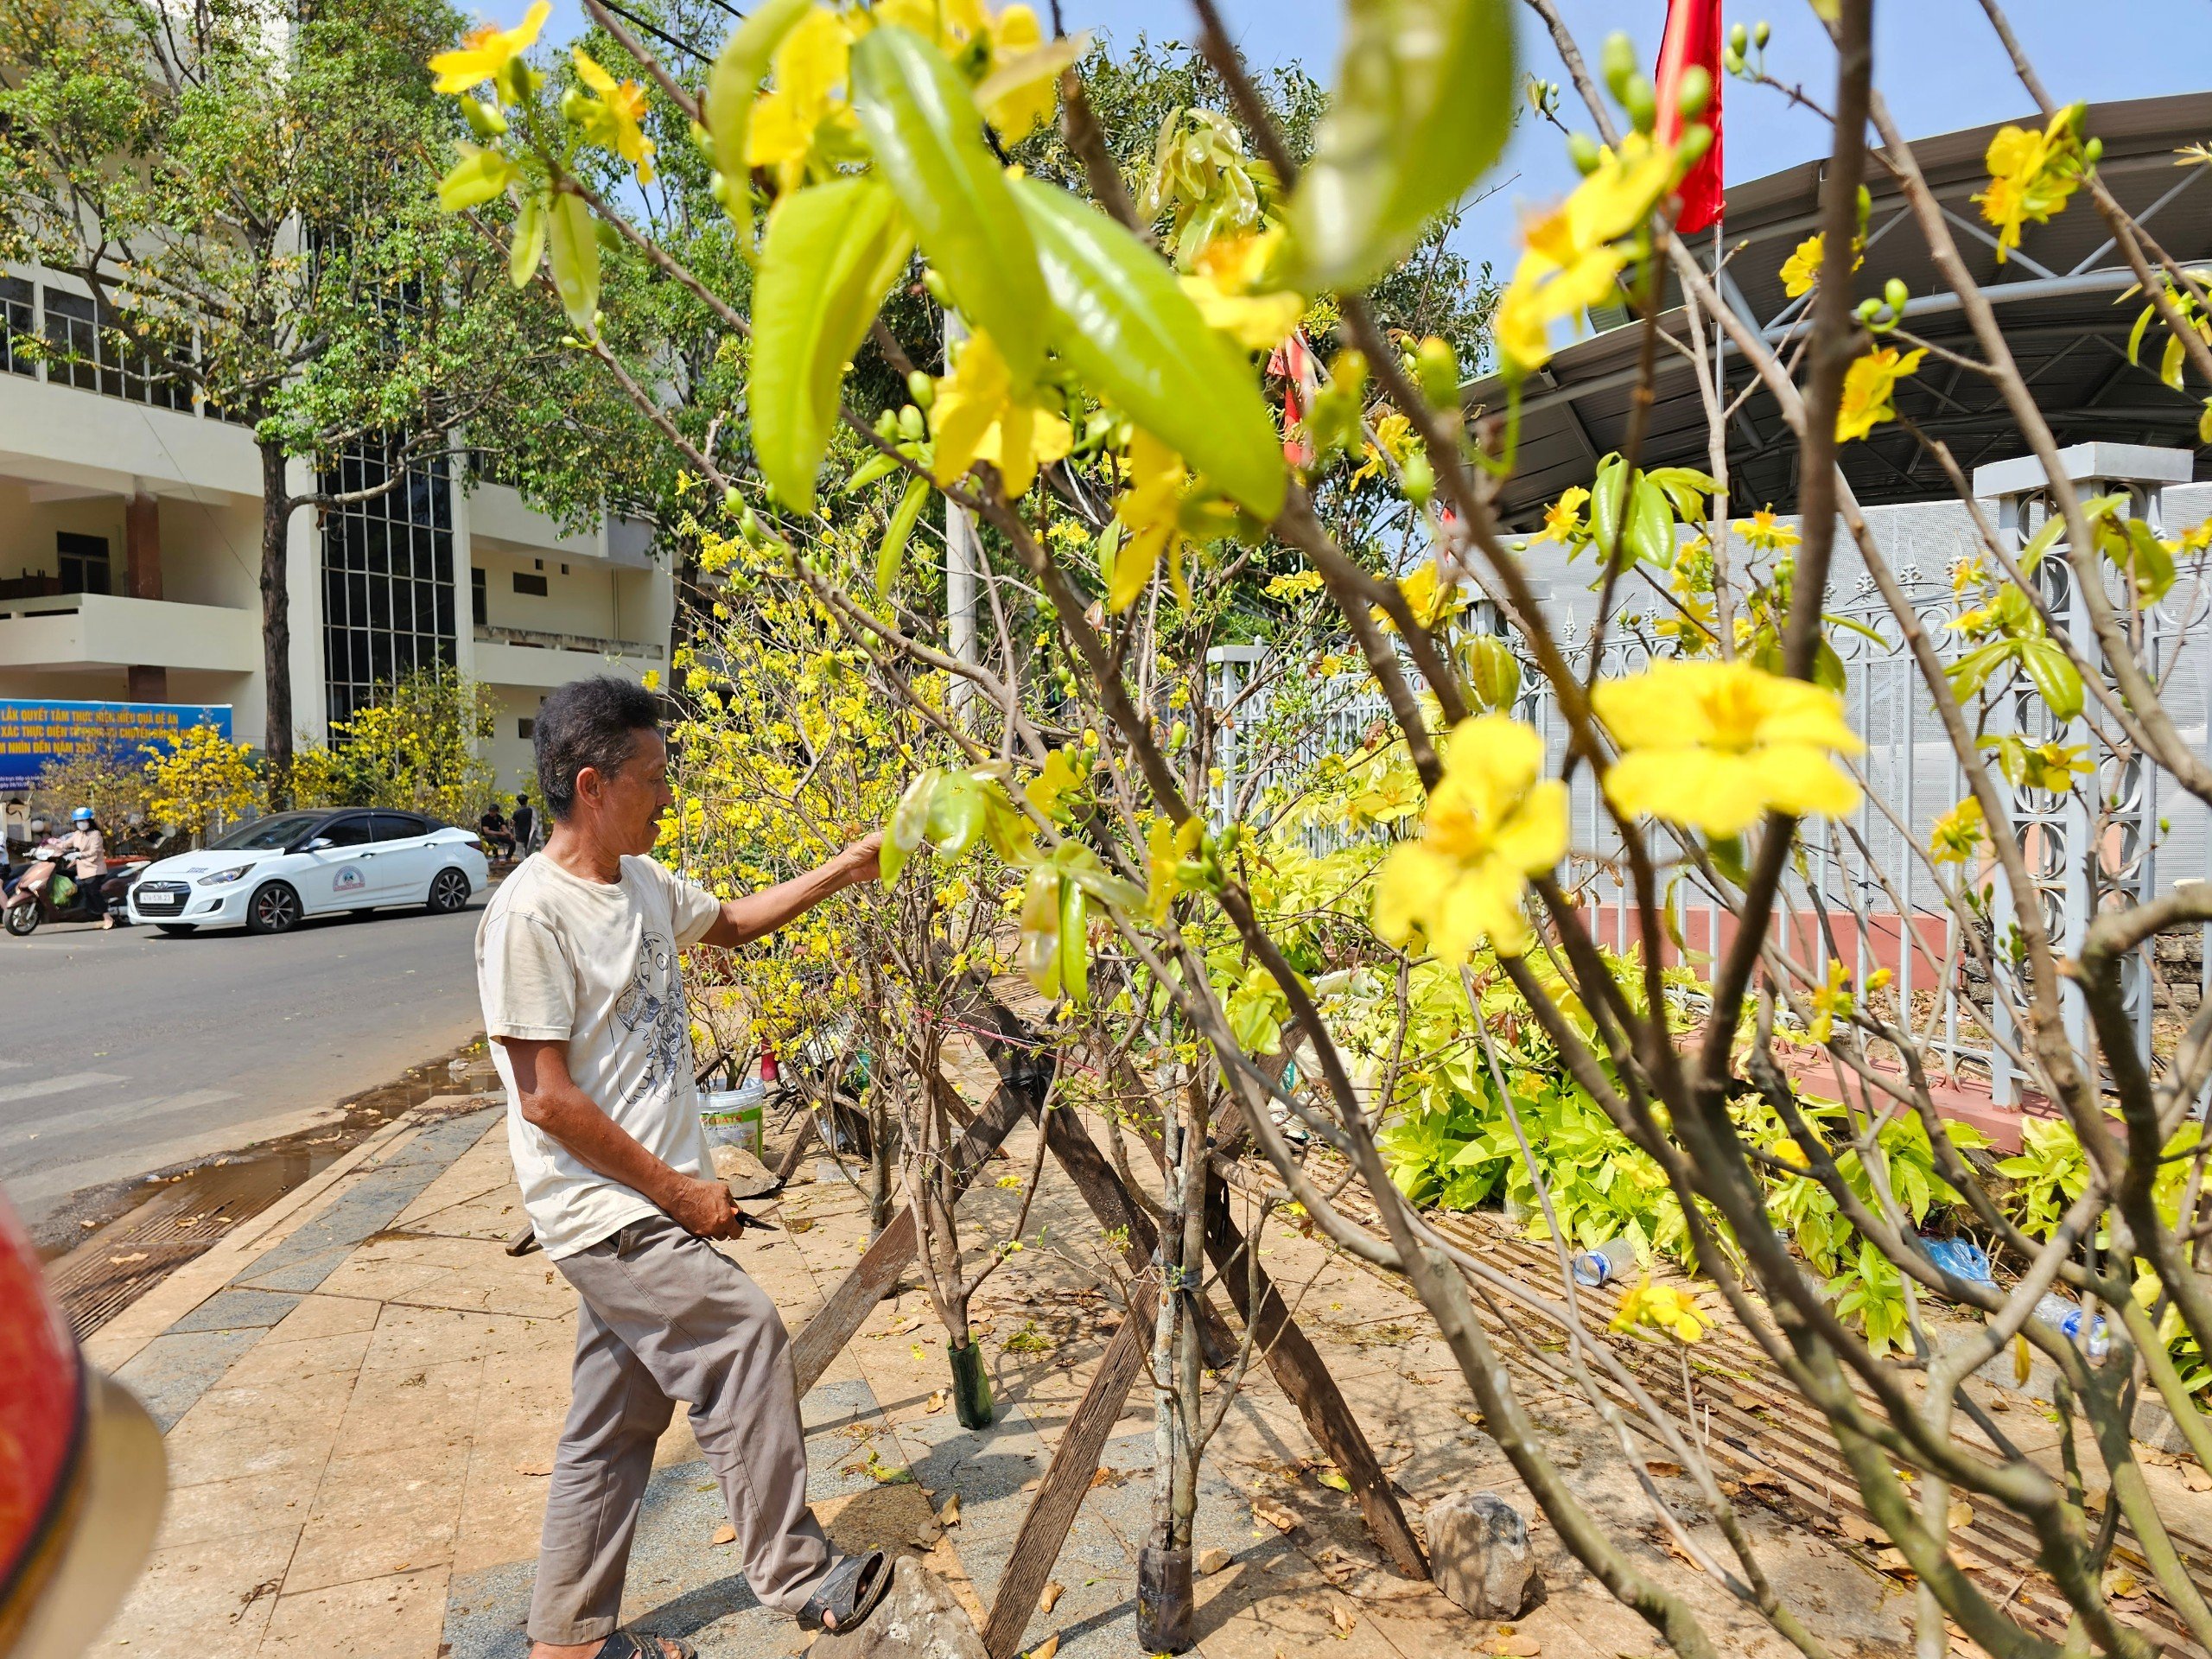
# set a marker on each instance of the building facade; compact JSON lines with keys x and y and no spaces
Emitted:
{"x":131,"y":556}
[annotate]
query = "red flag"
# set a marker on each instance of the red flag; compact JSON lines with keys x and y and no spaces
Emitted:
{"x":1692,"y":37}
{"x":1293,"y":361}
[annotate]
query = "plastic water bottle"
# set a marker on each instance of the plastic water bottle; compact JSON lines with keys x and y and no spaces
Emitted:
{"x":2067,"y":1319}
{"x":1609,"y":1261}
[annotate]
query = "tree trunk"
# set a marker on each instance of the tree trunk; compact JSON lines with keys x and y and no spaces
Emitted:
{"x":275,"y":625}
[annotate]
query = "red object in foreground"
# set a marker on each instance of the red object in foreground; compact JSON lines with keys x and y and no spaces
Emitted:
{"x":1692,"y":37}
{"x":81,"y":1472}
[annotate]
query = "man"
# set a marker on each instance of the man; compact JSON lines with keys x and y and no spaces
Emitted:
{"x":525,"y":823}
{"x":84,"y":847}
{"x":576,"y":961}
{"x":493,"y":826}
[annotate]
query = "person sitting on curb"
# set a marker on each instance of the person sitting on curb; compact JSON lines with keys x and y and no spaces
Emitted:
{"x":499,"y":839}
{"x":576,"y":961}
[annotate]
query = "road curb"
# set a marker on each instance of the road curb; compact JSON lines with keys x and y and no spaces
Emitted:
{"x":115,"y":1343}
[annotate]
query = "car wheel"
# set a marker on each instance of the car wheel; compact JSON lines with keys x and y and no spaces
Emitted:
{"x":449,"y":891}
{"x":176,"y":931}
{"x":273,"y":909}
{"x":23,"y":920}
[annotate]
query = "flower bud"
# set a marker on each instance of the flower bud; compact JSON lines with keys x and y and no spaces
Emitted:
{"x":1437,"y":367}
{"x":1418,"y":478}
{"x":1761,"y":32}
{"x":1732,"y":61}
{"x":1617,"y":58}
{"x":1493,"y":672}
{"x":733,"y":503}
{"x":887,"y":424}
{"x":702,"y":141}
{"x":1738,"y":38}
{"x":1582,"y":150}
{"x":910,"y":423}
{"x":1895,"y":294}
{"x":921,"y":389}
{"x":1696,"y":139}
{"x":1642,"y":103}
{"x":1695,"y":91}
{"x":2093,"y":152}
{"x":483,"y":119}
{"x":936,"y":288}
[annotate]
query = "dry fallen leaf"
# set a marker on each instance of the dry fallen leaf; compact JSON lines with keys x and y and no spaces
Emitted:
{"x":1343,"y":1618}
{"x":125,"y":1261}
{"x":725,"y":1534}
{"x":1332,"y":1479}
{"x":1213,"y":1560}
{"x":1744,"y":1402}
{"x":2194,"y":1477}
{"x":1662,"y":1467}
{"x":1053,"y":1591}
{"x":1960,"y":1513}
{"x":1891,"y":1560}
{"x":537,"y":1469}
{"x":1856,"y":1525}
{"x":1520,"y":1644}
{"x":1047,"y":1647}
{"x":949,"y":1514}
{"x":1274,"y":1514}
{"x":799,"y":1224}
{"x":937,"y":1402}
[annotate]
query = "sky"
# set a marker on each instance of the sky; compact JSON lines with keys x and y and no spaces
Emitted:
{"x":1935,"y":61}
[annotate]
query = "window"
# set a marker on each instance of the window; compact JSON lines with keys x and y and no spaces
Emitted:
{"x":476,"y":606}
{"x":263,"y":834}
{"x":525,"y":727}
{"x":387,"y":576}
{"x":15,"y":319}
{"x":347,"y":832}
{"x":94,"y":350}
{"x":398,"y":826}
{"x":529,"y":584}
{"x":82,"y":562}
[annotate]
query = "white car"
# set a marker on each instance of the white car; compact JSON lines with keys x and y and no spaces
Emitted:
{"x":268,"y":875}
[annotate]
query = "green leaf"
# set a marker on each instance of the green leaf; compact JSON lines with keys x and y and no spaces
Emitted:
{"x":574,"y":249}
{"x":2135,"y":334}
{"x":1120,"y":317}
{"x":832,"y":253}
{"x":1037,"y":952}
{"x":2054,"y":676}
{"x":901,"y":526}
{"x":877,"y":465}
{"x":1424,"y":100}
{"x":927,"y":137}
{"x":738,"y":69}
{"x":1686,"y":487}
{"x":1971,"y":671}
{"x":1651,"y":524}
{"x":479,"y":175}
{"x":1608,"y":496}
{"x":2149,"y":562}
{"x":908,"y":825}
{"x":2040,"y":543}
{"x":528,"y":249}
{"x":1075,"y":946}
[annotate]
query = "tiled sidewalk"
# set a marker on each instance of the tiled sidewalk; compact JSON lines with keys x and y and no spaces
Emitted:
{"x":362,"y":1392}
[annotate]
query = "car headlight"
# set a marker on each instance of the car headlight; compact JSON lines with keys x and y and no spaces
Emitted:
{"x":221,"y":877}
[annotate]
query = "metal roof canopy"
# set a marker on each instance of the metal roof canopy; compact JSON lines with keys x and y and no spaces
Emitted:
{"x":2059,"y":298}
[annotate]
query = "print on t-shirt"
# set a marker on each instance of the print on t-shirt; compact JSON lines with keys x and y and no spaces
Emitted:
{"x":655,"y":1000}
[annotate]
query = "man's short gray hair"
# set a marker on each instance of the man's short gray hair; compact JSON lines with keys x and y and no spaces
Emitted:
{"x":592,"y":723}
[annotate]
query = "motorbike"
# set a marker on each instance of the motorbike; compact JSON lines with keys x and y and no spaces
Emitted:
{"x":67,"y":899}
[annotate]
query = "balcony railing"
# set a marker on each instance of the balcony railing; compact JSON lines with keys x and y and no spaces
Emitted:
{"x":539,"y":640}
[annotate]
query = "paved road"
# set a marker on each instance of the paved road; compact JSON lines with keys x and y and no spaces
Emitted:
{"x":125,"y":1052}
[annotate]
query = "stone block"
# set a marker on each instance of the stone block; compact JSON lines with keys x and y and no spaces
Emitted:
{"x":1478,"y":1551}
{"x":919,"y":1619}
{"x":745,"y":1176}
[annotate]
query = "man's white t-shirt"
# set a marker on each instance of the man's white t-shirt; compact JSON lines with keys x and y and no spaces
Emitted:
{"x":593,"y":964}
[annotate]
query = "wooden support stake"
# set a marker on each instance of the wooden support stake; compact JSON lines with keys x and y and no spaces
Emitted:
{"x":825,"y":1336}
{"x":1302,"y":1376}
{"x":1075,"y":1460}
{"x":800,"y":1141}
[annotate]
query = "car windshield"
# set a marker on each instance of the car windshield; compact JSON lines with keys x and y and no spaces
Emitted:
{"x":263,"y":834}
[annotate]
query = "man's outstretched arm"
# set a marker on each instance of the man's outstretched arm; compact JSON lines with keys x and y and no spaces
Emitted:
{"x":757,"y":914}
{"x":551,"y":1101}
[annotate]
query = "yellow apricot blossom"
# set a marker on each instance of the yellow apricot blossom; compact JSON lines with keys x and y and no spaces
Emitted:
{"x":612,"y":117}
{"x":483,"y":53}
{"x":1768,"y":533}
{"x":1652,"y":1307}
{"x":976,"y":416}
{"x":2031,"y":174}
{"x":1715,"y":745}
{"x":1831,"y":1000}
{"x":1492,"y":821}
{"x":1428,"y":596}
{"x":1570,"y":260}
{"x":1228,"y":282}
{"x":1563,"y":519}
{"x":1802,"y":270}
{"x":1151,"y":510}
{"x":810,"y":66}
{"x":1869,"y":387}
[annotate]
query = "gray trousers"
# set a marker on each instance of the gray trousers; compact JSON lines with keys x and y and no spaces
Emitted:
{"x":665,"y":1318}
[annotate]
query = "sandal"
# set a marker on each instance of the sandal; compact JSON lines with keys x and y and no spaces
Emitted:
{"x":848,"y":1595}
{"x":643,"y":1644}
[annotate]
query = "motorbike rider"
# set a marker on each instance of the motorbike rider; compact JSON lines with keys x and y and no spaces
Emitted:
{"x":84,"y":847}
